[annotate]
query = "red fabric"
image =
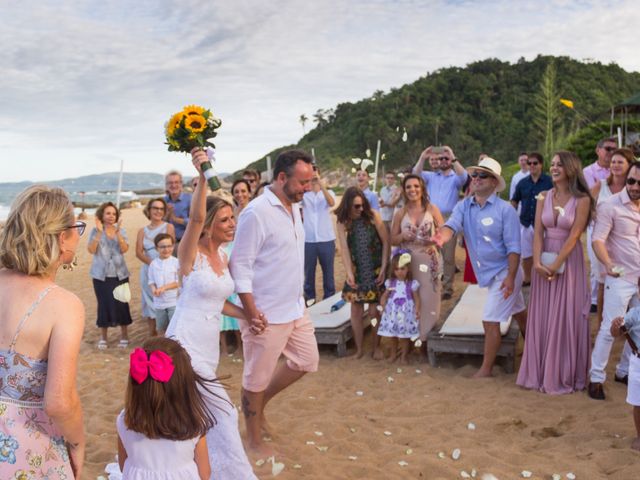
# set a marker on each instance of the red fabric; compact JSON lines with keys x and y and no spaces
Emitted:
{"x":469,"y":275}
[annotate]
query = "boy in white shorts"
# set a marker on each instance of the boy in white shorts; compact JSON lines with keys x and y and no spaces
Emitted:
{"x":492,"y":234}
{"x":630,"y":325}
{"x":163,"y":280}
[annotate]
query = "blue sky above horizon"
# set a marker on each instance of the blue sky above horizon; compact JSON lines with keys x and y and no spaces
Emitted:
{"x":88,"y":83}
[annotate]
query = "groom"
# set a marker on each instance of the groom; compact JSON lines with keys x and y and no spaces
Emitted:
{"x":267,"y":264}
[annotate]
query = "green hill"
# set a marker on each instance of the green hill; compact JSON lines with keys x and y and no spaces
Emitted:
{"x":488,"y":106}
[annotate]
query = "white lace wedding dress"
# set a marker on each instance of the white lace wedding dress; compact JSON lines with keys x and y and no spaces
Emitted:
{"x":196,"y":325}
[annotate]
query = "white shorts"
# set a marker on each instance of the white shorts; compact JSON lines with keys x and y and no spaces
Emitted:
{"x":498,"y":308}
{"x":633,"y":389}
{"x":526,"y":241}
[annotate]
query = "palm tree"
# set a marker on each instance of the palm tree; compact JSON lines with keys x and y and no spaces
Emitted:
{"x":303,"y":120}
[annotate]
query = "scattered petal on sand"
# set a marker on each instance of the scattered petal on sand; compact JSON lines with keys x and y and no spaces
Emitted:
{"x":374,"y":322}
{"x":418,"y":343}
{"x":353,"y":457}
{"x":471,"y":426}
{"x":390,"y":379}
{"x":359,"y":393}
{"x":473,"y":473}
{"x":526,"y":474}
{"x":260,"y":462}
{"x":418,"y":370}
{"x":556,"y":476}
{"x":297,"y":466}
{"x":387,"y":433}
{"x":402,"y":463}
{"x":322,"y":449}
{"x":267,"y":439}
{"x":571,"y":476}
{"x":311,"y":397}
{"x":455,"y":454}
{"x":423,"y":268}
{"x":352,"y":430}
{"x":489,"y":476}
{"x":107,"y":360}
{"x":357,"y":161}
{"x":464,"y":474}
{"x":441,"y":455}
{"x":560,"y":210}
{"x":398,"y":370}
{"x":277,"y":468}
{"x":310,"y":442}
{"x":319,"y":434}
{"x":433,"y":313}
{"x":408,"y":451}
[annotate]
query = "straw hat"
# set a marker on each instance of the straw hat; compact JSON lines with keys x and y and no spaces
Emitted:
{"x":493,"y":168}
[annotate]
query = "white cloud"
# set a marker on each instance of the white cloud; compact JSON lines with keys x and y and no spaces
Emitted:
{"x":86,"y":83}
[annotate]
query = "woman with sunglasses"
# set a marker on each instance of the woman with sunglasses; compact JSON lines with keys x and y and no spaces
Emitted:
{"x":146,"y":252}
{"x":108,"y":243}
{"x":41,"y":328}
{"x":412,"y":228}
{"x":556,"y":350}
{"x":364,"y":248}
{"x":621,"y":160}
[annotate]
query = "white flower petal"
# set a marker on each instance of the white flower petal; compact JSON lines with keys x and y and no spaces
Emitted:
{"x":260,"y":462}
{"x":418,"y":343}
{"x":571,"y":476}
{"x":540,"y":196}
{"x":353,"y":457}
{"x":374,"y":322}
{"x":402,"y":463}
{"x":319,"y":434}
{"x":471,"y":426}
{"x":357,"y":161}
{"x":408,"y":451}
{"x":441,"y":455}
{"x":379,"y":308}
{"x":387,"y":433}
{"x":418,"y":371}
{"x":560,"y":210}
{"x":405,"y":137}
{"x":556,"y":476}
{"x":487,"y":221}
{"x":398,"y":370}
{"x":368,"y":152}
{"x":423,"y":268}
{"x":353,"y":170}
{"x":297,"y":466}
{"x":464,"y":474}
{"x":322,"y":449}
{"x":390,"y":379}
{"x":277,"y":468}
{"x":352,"y":430}
{"x":489,"y":476}
{"x":526,"y":474}
{"x":456,"y":454}
{"x":359,"y":393}
{"x":383,"y":156}
{"x":310,"y":442}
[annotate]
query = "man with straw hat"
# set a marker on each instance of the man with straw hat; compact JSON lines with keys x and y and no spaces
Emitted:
{"x":492,"y":234}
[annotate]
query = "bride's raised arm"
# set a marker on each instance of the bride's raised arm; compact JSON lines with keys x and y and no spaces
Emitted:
{"x":188,"y":247}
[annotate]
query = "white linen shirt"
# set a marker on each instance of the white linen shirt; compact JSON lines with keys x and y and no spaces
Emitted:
{"x":318,"y":226}
{"x":267,"y":259}
{"x":162,"y":272}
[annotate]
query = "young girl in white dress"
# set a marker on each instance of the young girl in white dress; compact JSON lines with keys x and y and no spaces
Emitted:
{"x":401,"y":304}
{"x":161,"y":431}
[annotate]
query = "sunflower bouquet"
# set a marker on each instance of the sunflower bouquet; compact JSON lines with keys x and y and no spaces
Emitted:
{"x":193,"y":127}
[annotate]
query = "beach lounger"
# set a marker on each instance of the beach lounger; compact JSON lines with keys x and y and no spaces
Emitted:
{"x":333,"y":328}
{"x":462,"y":332}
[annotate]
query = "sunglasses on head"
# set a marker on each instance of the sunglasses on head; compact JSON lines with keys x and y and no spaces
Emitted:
{"x":630,"y":181}
{"x":80,"y":226}
{"x":480,"y":175}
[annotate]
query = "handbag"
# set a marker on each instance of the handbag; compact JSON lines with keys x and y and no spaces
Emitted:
{"x":547,"y":258}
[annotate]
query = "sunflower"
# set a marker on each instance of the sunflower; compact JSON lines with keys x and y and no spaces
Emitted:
{"x":173,"y":123}
{"x":193,"y":110}
{"x":195,"y":123}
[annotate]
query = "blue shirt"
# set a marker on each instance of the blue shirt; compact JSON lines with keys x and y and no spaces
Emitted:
{"x":526,"y":192}
{"x":491,"y":233}
{"x":372,"y":198}
{"x":632,"y":322}
{"x":181,"y":208}
{"x":444,"y":190}
{"x":108,"y":260}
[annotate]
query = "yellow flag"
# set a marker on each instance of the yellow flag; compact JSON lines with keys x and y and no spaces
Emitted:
{"x":566,"y":103}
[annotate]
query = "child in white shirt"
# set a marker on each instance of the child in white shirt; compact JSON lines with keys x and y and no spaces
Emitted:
{"x":163,"y":280}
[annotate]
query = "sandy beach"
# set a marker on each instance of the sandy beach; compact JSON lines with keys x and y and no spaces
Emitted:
{"x":395,"y":429}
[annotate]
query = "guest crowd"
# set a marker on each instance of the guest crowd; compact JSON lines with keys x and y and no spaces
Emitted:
{"x":398,"y":250}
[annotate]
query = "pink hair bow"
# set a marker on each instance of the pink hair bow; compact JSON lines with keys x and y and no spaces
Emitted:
{"x":159,"y":365}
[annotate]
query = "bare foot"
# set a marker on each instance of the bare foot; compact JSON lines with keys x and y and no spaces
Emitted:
{"x":378,"y":354}
{"x":265,"y":428}
{"x":482,"y":374}
{"x":358,"y":354}
{"x":260,"y":451}
{"x":636,"y":444}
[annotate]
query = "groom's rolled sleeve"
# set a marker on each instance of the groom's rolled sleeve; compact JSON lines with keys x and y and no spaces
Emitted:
{"x":248,"y":241}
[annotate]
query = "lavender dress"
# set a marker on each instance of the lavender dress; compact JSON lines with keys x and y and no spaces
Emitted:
{"x":557,"y":348}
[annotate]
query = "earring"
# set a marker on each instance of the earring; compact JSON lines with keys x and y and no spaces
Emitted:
{"x":71,"y":265}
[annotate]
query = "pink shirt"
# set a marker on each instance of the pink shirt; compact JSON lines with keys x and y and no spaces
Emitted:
{"x":618,"y":225}
{"x":594,"y":173}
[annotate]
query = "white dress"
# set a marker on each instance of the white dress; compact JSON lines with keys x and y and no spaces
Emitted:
{"x":196,"y":325}
{"x":156,"y":459}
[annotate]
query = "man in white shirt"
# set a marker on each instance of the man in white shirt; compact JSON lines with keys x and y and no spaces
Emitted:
{"x":267,"y":264}
{"x":389,"y":196}
{"x":362,"y":180}
{"x":319,"y":237}
{"x":519,"y":175}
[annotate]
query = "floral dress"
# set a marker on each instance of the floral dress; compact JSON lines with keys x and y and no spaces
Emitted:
{"x":365,"y":248}
{"x":31,"y":447}
{"x":399,"y":317}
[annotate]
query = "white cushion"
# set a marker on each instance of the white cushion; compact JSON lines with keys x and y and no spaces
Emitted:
{"x":466,"y":317}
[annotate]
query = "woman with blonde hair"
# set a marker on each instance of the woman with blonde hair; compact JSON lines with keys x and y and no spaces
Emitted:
{"x":146,"y":252}
{"x":41,"y":325}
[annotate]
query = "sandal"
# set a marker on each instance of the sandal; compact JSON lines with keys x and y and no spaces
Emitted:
{"x":123,"y":343}
{"x":102,"y":345}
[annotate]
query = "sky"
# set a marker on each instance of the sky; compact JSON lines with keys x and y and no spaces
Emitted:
{"x":86,"y":84}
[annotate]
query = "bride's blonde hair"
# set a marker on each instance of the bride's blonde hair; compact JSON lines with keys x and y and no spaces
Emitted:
{"x":29,"y":239}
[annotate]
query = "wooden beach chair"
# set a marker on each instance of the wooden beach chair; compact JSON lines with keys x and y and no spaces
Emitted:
{"x":333,"y":328}
{"x":462,"y":332}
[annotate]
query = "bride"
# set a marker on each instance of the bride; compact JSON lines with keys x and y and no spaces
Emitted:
{"x":206,"y":283}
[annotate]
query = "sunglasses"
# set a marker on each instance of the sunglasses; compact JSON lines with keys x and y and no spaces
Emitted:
{"x":158,"y":208}
{"x":442,"y":158}
{"x":358,"y":206}
{"x":80,"y":226}
{"x":609,"y":149}
{"x":480,"y":175}
{"x":533,"y":163}
{"x":633,"y":181}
